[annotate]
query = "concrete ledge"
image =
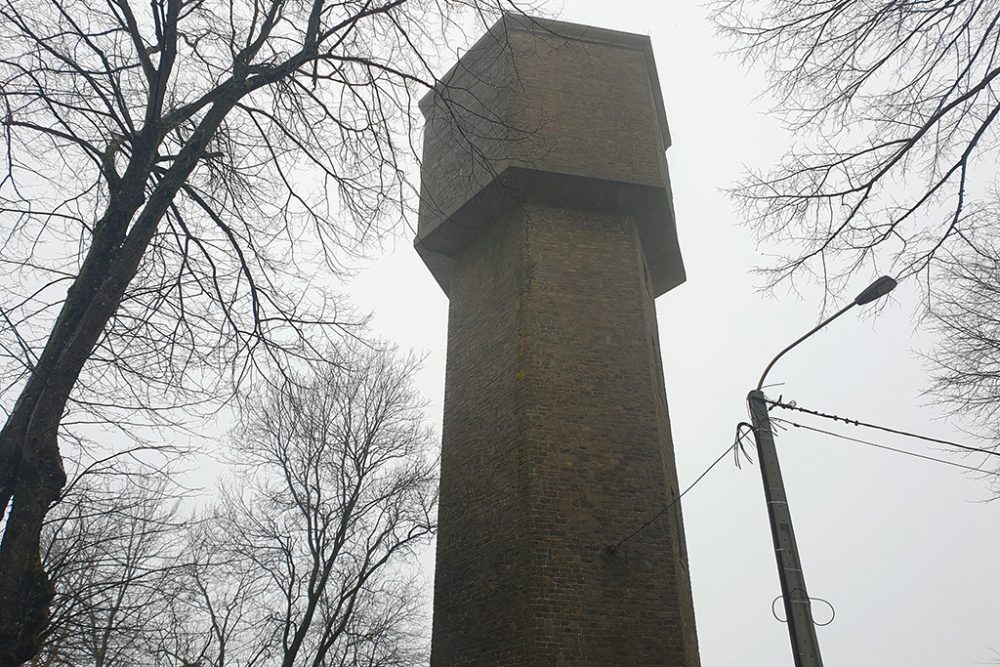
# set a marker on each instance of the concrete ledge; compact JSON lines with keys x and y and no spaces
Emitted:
{"x":651,"y":207}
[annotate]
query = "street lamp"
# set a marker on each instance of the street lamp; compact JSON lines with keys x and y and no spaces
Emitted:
{"x":801,"y":629}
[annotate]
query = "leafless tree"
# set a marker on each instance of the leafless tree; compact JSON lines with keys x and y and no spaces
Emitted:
{"x":894,"y":104}
{"x":894,"y":108}
{"x":305,"y":561}
{"x":965,"y":313}
{"x":178,"y":178}
{"x":113,"y":548}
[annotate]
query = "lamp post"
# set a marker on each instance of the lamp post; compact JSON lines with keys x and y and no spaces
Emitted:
{"x":801,"y":628}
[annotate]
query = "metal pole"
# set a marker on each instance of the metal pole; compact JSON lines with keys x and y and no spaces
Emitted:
{"x":801,"y":629}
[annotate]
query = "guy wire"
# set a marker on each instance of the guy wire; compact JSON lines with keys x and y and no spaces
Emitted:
{"x":612,"y":548}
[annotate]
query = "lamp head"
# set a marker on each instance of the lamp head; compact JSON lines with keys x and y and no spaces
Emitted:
{"x":876,"y":290}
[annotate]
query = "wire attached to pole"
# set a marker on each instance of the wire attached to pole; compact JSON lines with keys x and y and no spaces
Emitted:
{"x":612,"y":548}
{"x":886,"y":447}
{"x":854,"y":422}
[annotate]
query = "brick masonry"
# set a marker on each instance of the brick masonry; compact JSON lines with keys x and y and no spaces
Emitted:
{"x":556,"y":437}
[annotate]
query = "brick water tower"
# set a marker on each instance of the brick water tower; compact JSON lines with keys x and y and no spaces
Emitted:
{"x":546,"y":218}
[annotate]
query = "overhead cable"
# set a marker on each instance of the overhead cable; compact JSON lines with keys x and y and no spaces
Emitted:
{"x":886,"y":447}
{"x":854,"y":422}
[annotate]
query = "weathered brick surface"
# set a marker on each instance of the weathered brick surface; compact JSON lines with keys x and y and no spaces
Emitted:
{"x":534,"y":99}
{"x":556,"y":438}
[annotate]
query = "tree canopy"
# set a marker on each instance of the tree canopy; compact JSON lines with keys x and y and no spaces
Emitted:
{"x":179,"y":180}
{"x":893,"y":111}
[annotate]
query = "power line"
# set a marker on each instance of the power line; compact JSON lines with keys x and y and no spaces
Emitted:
{"x":612,"y":548}
{"x":886,"y":447}
{"x":855,"y":422}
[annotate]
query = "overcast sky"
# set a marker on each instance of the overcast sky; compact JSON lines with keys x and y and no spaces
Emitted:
{"x":906,"y":550}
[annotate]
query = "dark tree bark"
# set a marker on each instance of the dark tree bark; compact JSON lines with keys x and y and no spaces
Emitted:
{"x":175,"y":180}
{"x":113,"y":547}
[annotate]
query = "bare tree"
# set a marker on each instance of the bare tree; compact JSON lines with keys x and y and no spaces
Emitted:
{"x":177,"y":179}
{"x":113,"y":549}
{"x":894,"y":108}
{"x":894,"y":103}
{"x":305,"y":561}
{"x":965,"y":313}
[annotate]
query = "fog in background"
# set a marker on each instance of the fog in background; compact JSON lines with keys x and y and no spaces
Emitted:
{"x":904,"y":549}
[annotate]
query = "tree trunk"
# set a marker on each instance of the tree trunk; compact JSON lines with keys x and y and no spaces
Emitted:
{"x":31,"y":470}
{"x":33,"y":474}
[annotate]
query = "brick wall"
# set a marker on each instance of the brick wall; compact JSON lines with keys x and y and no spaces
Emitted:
{"x":556,"y":442}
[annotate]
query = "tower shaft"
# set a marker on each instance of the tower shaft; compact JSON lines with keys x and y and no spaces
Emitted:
{"x":556,"y":440}
{"x":546,"y":216}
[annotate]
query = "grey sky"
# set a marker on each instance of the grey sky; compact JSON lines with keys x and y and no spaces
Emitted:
{"x":903,"y":548}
